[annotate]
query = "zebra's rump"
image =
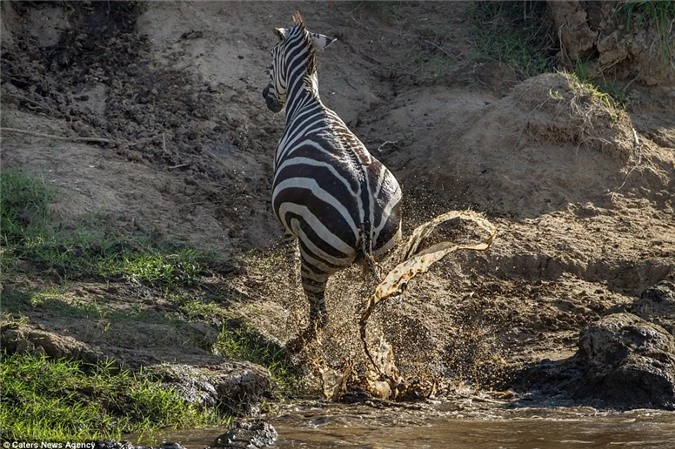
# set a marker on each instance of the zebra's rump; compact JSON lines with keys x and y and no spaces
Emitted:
{"x":337,"y":207}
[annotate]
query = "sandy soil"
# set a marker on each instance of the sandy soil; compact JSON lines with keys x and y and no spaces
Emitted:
{"x":582,"y":195}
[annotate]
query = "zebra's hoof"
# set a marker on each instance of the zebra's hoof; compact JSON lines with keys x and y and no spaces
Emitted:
{"x":295,"y":345}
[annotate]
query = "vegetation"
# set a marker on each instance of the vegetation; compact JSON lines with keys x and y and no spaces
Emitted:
{"x":93,"y":250}
{"x":23,"y":209}
{"x":193,"y":308}
{"x":612,"y":94}
{"x":643,"y":14}
{"x":62,"y":400}
{"x":658,"y":14}
{"x":59,"y":399}
{"x":520,"y":35}
{"x":238,"y":340}
{"x":515,"y":33}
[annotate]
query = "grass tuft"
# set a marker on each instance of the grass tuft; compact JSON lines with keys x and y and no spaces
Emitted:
{"x":657,"y":14}
{"x":23,"y":206}
{"x":155,"y":268}
{"x":611,"y":94}
{"x":23,"y":213}
{"x":194,"y":308}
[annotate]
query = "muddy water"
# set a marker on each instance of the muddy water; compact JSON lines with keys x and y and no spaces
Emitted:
{"x":465,"y":434}
{"x":378,"y":426}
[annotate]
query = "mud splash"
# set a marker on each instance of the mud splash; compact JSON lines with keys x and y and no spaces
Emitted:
{"x":383,"y":379}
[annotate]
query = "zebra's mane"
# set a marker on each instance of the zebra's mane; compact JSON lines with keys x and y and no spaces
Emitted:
{"x":311,"y":59}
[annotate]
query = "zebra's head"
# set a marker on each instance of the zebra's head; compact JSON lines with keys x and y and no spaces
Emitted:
{"x":293,"y":60}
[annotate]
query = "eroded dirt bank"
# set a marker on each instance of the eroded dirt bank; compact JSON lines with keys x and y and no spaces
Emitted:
{"x":581,"y":192}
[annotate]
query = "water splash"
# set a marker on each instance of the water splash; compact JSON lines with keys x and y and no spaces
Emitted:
{"x":382,"y":378}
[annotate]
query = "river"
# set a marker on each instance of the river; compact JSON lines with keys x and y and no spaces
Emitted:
{"x":439,"y":426}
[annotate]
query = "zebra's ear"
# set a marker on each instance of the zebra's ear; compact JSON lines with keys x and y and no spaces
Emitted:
{"x":319,"y":41}
{"x":281,"y":32}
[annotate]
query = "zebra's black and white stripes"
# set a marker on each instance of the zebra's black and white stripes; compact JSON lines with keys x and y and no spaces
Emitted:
{"x":341,"y":203}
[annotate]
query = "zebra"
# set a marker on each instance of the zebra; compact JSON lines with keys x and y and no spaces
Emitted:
{"x":342,"y":205}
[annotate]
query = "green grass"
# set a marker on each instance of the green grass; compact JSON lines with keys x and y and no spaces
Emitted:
{"x":611,"y":93}
{"x":94,"y":249}
{"x":89,"y":253}
{"x":23,"y":209}
{"x":61,"y":303}
{"x":193,"y":308}
{"x":658,"y":15}
{"x":240,"y":341}
{"x":179,"y":268}
{"x":66,"y":400}
{"x":516,"y":33}
{"x":62,"y":400}
{"x":641,"y":14}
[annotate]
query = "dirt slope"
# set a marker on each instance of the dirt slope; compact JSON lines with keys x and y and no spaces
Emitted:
{"x":582,"y":194}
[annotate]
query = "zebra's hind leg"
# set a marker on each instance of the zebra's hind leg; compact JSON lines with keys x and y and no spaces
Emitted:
{"x":314,"y":285}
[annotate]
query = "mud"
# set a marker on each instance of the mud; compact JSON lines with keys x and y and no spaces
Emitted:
{"x":581,"y":194}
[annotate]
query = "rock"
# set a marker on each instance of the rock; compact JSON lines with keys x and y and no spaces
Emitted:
{"x":657,"y":304}
{"x":576,"y":36}
{"x":28,"y":340}
{"x":627,"y":361}
{"x":110,"y":444}
{"x":608,"y":38}
{"x":238,"y":386}
{"x":247,"y":435}
{"x":171,"y":445}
